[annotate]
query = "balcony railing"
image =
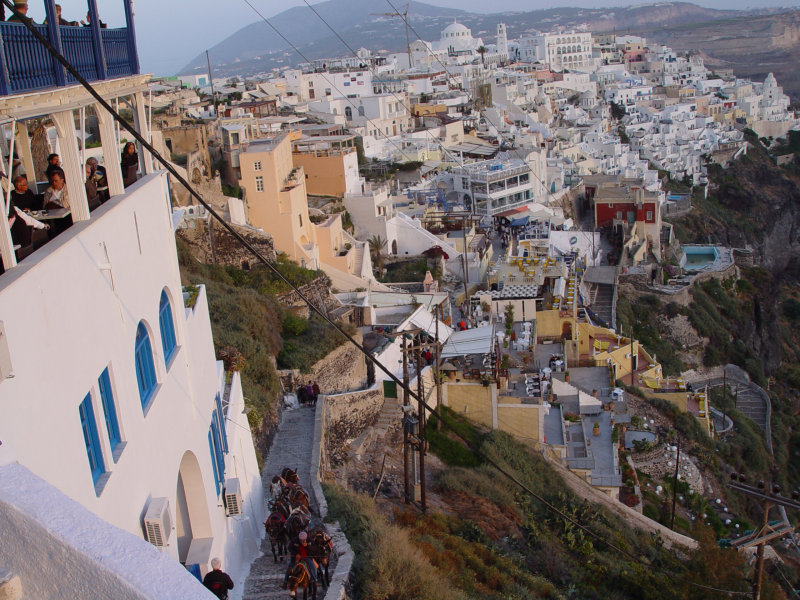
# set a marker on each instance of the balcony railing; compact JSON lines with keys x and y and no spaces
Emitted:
{"x":95,"y":53}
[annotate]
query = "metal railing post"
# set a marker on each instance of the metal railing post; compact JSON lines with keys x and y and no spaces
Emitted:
{"x":130,"y":33}
{"x":5,"y":86}
{"x":97,"y":40}
{"x":54,"y":35}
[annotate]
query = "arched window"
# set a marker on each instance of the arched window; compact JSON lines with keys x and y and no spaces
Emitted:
{"x":145,"y":369}
{"x":348,"y":113}
{"x":167,"y":326}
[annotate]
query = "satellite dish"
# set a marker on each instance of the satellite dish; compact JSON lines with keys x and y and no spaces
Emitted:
{"x":573,"y":240}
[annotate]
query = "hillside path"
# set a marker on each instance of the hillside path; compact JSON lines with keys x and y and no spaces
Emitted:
{"x":292,"y":447}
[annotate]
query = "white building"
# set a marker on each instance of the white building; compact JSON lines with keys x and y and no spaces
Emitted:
{"x":491,"y":187}
{"x":559,"y":50}
{"x":109,"y":385}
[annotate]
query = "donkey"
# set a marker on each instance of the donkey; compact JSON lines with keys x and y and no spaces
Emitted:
{"x":278,"y":538}
{"x":320,"y":545}
{"x":299,"y":577}
{"x":290,"y":476}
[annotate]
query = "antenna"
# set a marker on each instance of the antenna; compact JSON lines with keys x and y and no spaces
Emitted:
{"x":404,"y":15}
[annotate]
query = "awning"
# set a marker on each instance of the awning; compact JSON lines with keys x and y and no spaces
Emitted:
{"x":511,"y":212}
{"x":471,"y":341}
{"x":520,"y":222}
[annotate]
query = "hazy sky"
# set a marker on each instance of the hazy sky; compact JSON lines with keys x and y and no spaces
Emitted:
{"x":172,"y":32}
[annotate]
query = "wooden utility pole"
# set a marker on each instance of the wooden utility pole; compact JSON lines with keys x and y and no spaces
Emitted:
{"x":675,"y":485}
{"x":437,"y":372}
{"x":770,"y":496}
{"x":421,"y":433}
{"x":211,"y":82}
{"x":406,"y":441}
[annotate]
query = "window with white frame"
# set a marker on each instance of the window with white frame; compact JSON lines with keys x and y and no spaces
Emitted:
{"x":259,"y":184}
{"x":257,"y":165}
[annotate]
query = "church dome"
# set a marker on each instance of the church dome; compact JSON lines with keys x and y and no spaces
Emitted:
{"x":456,"y":30}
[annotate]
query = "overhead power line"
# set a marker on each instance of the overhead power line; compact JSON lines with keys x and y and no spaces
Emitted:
{"x":263,"y":260}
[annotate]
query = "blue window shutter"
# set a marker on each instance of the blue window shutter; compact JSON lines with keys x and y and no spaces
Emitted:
{"x":109,"y":409}
{"x":91,"y":439}
{"x":213,"y":461}
{"x":221,"y":421}
{"x":145,"y":368}
{"x":167,"y":326}
{"x":217,"y":447}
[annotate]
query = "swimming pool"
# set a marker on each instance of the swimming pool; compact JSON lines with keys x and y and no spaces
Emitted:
{"x":697,"y":258}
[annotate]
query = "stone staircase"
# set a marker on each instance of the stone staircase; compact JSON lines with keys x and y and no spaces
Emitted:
{"x":291,"y":447}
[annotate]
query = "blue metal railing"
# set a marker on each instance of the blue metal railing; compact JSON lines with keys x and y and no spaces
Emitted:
{"x":96,"y":53}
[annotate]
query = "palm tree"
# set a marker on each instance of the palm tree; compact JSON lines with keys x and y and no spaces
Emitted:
{"x":376,"y":246}
{"x":482,"y":52}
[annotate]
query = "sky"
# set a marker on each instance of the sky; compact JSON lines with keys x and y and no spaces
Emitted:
{"x":170,"y":33}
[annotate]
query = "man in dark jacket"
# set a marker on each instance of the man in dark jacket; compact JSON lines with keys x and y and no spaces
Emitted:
{"x":217,"y":580}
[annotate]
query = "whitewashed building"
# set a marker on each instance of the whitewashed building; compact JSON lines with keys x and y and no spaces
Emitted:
{"x":116,"y":414}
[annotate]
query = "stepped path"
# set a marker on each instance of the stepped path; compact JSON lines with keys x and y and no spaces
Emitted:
{"x":292,"y":447}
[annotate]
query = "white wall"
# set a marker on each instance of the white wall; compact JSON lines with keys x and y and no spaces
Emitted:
{"x":78,"y":301}
{"x":59,"y":550}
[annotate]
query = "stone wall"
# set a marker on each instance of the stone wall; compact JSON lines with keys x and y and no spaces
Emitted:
{"x":228,"y":250}
{"x":318,"y":292}
{"x":347,"y":416}
{"x":342,"y":370}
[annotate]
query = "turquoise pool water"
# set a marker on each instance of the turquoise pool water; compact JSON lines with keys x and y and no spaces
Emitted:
{"x":699,"y":257}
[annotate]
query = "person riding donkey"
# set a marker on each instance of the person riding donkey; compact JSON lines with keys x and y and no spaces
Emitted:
{"x":298,"y":550}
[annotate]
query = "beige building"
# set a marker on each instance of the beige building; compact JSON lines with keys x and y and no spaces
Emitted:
{"x":276,"y":201}
{"x":330,"y":163}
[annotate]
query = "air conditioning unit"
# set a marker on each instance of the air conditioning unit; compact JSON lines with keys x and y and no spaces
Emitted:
{"x":232,"y":497}
{"x":158,"y":522}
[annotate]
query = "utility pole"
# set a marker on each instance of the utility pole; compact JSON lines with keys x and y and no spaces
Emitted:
{"x":421,"y":434}
{"x":769,"y":496}
{"x":211,"y":81}
{"x":406,"y":441}
{"x":437,"y":373}
{"x":675,"y":485}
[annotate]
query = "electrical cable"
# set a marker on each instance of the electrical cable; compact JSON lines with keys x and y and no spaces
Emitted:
{"x":410,"y":26}
{"x":373,"y":71}
{"x":306,"y":59}
{"x":262,"y":259}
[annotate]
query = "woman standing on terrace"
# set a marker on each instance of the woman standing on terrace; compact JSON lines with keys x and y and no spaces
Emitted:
{"x":129,"y":164}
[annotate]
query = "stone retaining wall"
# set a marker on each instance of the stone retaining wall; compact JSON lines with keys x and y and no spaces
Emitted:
{"x":228,"y":250}
{"x":338,"y":588}
{"x":347,"y":416}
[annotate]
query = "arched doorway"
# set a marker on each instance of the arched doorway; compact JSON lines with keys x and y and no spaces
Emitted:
{"x":394,"y":247}
{"x":191,"y":508}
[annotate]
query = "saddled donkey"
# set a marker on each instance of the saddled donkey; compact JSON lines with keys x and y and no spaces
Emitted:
{"x":278,"y":538}
{"x":296,"y":496}
{"x":300,"y":578}
{"x":290,"y":476}
{"x":320,"y":545}
{"x":297,"y":522}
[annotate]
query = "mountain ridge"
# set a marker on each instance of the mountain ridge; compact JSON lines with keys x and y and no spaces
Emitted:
{"x":257,"y":48}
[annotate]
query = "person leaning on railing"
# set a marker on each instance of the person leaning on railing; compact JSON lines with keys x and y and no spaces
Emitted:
{"x":21,"y":6}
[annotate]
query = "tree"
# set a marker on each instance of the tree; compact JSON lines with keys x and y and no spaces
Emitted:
{"x":376,"y":246}
{"x":482,"y":52}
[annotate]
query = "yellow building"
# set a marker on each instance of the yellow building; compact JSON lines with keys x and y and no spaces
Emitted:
{"x":276,"y":201}
{"x":330,"y":164}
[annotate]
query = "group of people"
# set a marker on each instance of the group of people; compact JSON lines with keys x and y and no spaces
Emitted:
{"x":21,"y":7}
{"x":307,"y":394}
{"x":24,"y":201}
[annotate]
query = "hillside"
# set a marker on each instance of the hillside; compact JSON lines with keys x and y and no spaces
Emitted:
{"x":258,"y":44}
{"x":752,"y":46}
{"x":257,"y":48}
